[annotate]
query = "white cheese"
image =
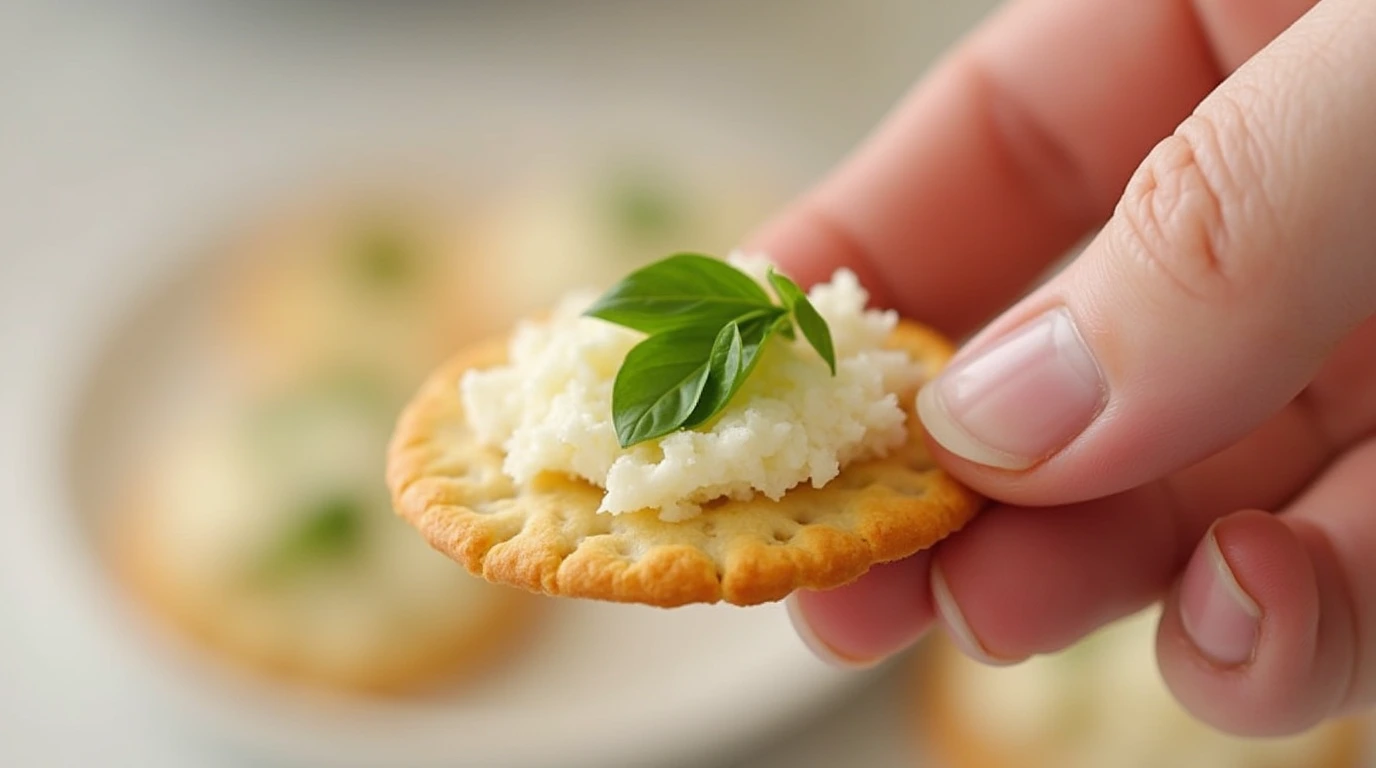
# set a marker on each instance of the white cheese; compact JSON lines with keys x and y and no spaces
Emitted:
{"x":550,"y":409}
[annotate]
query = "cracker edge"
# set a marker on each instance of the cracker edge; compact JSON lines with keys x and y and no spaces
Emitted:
{"x":668,"y":576}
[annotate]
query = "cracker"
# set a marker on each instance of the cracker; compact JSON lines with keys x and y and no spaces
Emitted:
{"x":954,"y":731}
{"x":548,"y":537}
{"x":265,"y":633}
{"x":450,"y":650}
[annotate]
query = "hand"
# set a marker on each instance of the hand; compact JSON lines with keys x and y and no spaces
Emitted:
{"x":1192,"y":401}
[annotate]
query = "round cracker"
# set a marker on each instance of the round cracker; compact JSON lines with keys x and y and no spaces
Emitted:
{"x":451,"y":650}
{"x":549,"y":537}
{"x":221,"y":615}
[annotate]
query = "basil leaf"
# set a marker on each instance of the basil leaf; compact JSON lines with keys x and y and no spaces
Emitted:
{"x":683,"y":291}
{"x":788,"y":291}
{"x":810,"y":322}
{"x":660,"y":383}
{"x":734,"y":355}
{"x":707,"y":323}
{"x":816,"y":332}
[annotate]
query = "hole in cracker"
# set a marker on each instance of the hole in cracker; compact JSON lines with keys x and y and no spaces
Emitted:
{"x":854,"y":479}
{"x":916,"y":459}
{"x":784,"y":534}
{"x":629,"y":547}
{"x":907,"y":484}
{"x":807,"y":514}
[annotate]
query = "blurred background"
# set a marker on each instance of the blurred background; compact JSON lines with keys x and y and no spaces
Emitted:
{"x":237,"y":234}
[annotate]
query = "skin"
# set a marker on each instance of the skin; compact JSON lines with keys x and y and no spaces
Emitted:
{"x":1225,"y":153}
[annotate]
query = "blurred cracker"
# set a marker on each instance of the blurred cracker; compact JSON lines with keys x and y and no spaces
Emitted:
{"x":550,"y":538}
{"x":298,"y":294}
{"x":241,"y":626}
{"x":948,"y":733}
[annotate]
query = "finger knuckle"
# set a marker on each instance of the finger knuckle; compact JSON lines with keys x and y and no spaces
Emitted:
{"x":1185,"y":212}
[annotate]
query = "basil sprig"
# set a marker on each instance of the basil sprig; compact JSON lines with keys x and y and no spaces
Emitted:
{"x":707,"y":323}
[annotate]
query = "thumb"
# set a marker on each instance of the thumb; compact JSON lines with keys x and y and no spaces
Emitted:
{"x":1242,"y":251}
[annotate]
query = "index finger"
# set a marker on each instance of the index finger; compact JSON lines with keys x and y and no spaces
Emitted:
{"x":1012,"y":149}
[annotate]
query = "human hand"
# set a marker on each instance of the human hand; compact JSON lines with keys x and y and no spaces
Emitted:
{"x":1210,"y":355}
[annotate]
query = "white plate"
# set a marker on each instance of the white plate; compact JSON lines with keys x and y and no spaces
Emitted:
{"x":599,"y":685}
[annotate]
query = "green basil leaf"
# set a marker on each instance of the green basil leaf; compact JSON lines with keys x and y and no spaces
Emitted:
{"x":814,"y":328}
{"x":684,"y":291}
{"x":734,"y":355}
{"x":816,"y":332}
{"x":788,"y":291}
{"x":723,"y":368}
{"x":660,"y":383}
{"x":707,"y":324}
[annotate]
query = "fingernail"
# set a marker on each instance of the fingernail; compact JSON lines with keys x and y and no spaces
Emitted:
{"x":957,"y":627}
{"x":1019,"y":400}
{"x":819,"y":647}
{"x":1219,"y":617}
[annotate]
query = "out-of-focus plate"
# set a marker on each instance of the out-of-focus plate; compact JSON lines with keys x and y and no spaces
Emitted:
{"x":597,"y":685}
{"x":131,"y":129}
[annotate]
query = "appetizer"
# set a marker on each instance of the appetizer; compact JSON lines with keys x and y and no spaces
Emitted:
{"x":704,"y":431}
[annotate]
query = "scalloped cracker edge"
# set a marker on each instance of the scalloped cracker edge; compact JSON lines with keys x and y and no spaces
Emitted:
{"x":548,"y":537}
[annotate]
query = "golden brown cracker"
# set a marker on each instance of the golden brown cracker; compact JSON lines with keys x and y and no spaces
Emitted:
{"x":549,"y":537}
{"x":444,"y":649}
